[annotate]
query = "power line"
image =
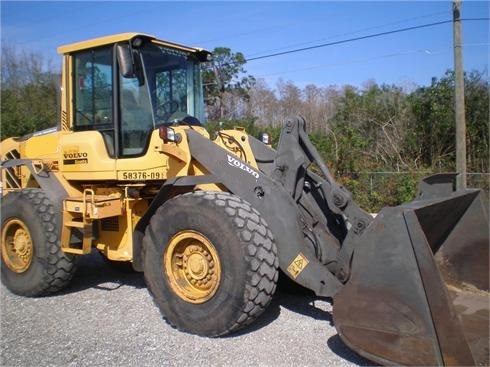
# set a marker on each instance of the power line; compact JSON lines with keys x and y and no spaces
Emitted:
{"x":347,"y":62}
{"x":355,"y":61}
{"x":360,"y":38}
{"x":350,"y":33}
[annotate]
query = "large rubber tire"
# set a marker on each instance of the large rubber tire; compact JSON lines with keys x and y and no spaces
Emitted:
{"x":210,"y":262}
{"x":33,"y":263}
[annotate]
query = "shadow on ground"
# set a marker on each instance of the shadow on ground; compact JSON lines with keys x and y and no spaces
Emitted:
{"x":303,"y":301}
{"x":95,"y":272}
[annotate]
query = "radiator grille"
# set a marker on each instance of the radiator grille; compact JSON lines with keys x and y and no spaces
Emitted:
{"x":110,"y":224}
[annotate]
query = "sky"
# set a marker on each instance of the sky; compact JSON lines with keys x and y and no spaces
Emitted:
{"x":407,"y":58}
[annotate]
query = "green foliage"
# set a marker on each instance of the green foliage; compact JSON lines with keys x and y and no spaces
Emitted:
{"x":248,"y":124}
{"x":477,"y":100}
{"x":433,"y":108}
{"x":27,"y":109}
{"x":376,"y":122}
{"x":342,"y":148}
{"x":224,"y":79}
{"x":29,"y":94}
{"x":406,"y":188}
{"x":373,"y":191}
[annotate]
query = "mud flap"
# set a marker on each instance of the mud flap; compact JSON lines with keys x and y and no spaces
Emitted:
{"x":418,"y":291}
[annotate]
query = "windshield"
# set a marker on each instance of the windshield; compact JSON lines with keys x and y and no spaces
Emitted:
{"x":174,"y":83}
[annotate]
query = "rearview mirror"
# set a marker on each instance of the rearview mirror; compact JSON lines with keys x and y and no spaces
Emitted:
{"x":125,"y":60}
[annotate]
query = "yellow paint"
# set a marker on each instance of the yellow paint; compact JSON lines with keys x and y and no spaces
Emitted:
{"x":236,"y":142}
{"x":104,"y":191}
{"x":192,"y":266}
{"x":17,"y":247}
{"x":100,"y":41}
{"x":43,"y":146}
{"x":121,"y":37}
{"x":84,"y":156}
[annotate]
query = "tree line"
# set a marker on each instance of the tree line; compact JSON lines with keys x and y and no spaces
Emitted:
{"x":372,"y":128}
{"x":360,"y":130}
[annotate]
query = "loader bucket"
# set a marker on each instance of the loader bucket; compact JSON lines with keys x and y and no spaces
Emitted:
{"x":418,"y":291}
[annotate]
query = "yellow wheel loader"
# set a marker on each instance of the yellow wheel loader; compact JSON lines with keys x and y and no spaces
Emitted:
{"x":210,"y":221}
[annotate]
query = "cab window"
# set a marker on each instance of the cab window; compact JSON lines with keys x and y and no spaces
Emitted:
{"x":93,"y":89}
{"x":136,"y":117}
{"x":171,"y":93}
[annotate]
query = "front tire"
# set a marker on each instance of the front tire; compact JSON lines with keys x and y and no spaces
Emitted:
{"x":210,"y":262}
{"x":33,"y":263}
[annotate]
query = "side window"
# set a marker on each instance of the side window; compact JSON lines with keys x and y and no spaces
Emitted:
{"x":93,"y":89}
{"x":136,"y":117}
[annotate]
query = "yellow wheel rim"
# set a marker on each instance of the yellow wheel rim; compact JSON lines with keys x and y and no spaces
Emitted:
{"x":17,"y":248}
{"x":192,"y":266}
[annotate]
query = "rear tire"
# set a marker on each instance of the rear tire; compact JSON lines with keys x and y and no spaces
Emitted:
{"x":210,"y":262}
{"x":33,"y":263}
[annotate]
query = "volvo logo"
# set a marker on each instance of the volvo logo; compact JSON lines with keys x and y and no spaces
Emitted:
{"x":232,"y":161}
{"x":75,"y":155}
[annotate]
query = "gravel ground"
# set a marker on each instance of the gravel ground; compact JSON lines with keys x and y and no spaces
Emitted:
{"x":107,"y":318}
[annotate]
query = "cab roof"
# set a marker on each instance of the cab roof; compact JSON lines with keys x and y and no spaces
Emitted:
{"x":121,"y":37}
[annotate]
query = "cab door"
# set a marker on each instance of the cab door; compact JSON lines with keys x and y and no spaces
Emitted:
{"x":139,"y":158}
{"x":88,"y":149}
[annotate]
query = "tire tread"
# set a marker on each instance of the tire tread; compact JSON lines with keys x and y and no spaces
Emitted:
{"x":261,"y":253}
{"x":58,"y":267}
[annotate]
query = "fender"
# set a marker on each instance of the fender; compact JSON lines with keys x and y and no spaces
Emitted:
{"x":296,"y":259}
{"x":47,"y":181}
{"x":168,"y":190}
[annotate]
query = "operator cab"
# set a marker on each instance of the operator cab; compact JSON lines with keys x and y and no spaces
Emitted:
{"x":127,"y":85}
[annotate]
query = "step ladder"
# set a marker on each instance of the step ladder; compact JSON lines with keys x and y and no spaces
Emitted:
{"x":80,"y":212}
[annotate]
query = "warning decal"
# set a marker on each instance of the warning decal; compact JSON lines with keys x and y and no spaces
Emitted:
{"x":297,"y":265}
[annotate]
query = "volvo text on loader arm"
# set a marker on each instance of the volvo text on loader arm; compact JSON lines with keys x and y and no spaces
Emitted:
{"x":130,"y":171}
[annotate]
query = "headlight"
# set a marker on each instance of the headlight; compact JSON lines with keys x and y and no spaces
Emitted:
{"x":167,"y":134}
{"x":265,"y":138}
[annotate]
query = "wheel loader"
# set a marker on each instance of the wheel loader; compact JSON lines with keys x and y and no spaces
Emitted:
{"x":130,"y":172}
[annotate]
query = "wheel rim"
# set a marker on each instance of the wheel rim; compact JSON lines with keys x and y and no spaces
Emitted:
{"x":192,"y":266}
{"x":17,"y":248}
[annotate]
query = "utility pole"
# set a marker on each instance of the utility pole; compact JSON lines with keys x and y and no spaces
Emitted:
{"x":459,"y":97}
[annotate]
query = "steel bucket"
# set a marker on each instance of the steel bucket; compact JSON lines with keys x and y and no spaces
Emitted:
{"x":418,"y":290}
